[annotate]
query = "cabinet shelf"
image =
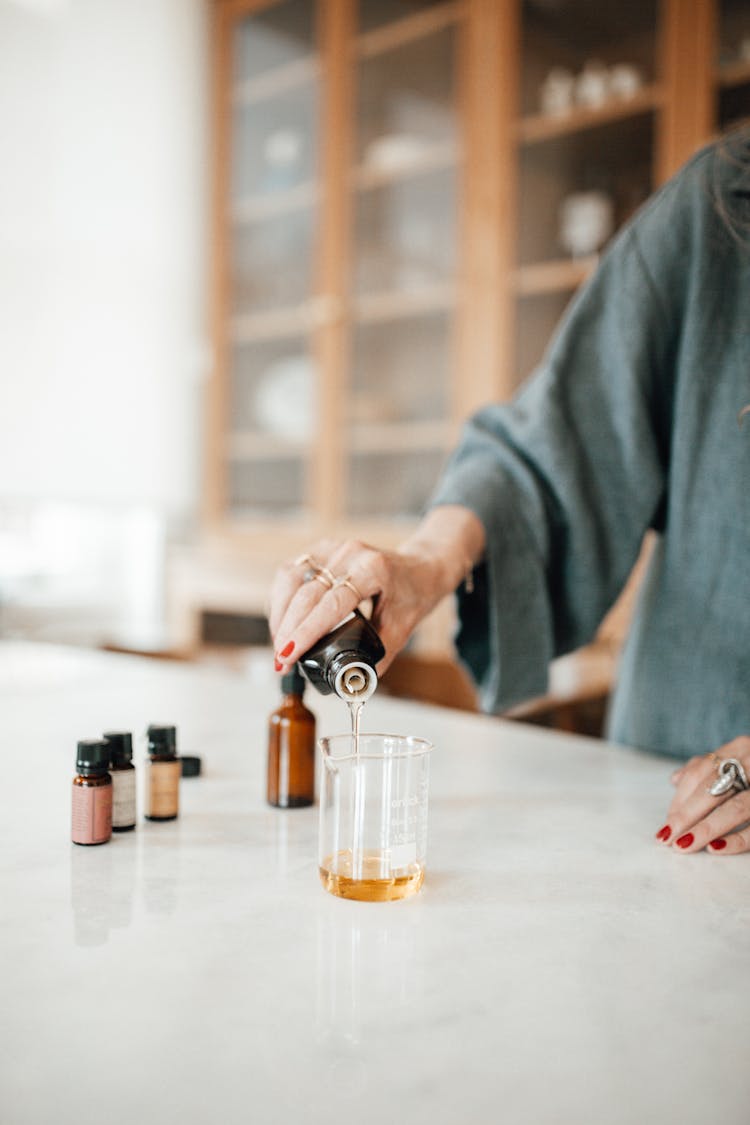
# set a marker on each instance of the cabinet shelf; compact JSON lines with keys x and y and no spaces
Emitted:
{"x":377,"y":308}
{"x":250,"y":445}
{"x":558,"y":276}
{"x":409,"y":29}
{"x":278,"y":324}
{"x":281,"y":80}
{"x":436,"y":158}
{"x":733,"y":74}
{"x":399,"y":437}
{"x":543,"y":127}
{"x":257,"y":208}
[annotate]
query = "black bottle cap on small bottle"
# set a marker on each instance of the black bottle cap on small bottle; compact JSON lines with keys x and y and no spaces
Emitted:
{"x":293,"y":683}
{"x":92,"y":756}
{"x":120,"y":746}
{"x":162,"y":739}
{"x":191,"y":765}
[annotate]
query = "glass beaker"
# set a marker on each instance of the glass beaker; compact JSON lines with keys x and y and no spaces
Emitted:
{"x":373,"y":815}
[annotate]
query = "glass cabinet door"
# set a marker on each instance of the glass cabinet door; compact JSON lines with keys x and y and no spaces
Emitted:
{"x":589,"y":100}
{"x":274,"y":193}
{"x":404,"y":261}
{"x":733,"y":64}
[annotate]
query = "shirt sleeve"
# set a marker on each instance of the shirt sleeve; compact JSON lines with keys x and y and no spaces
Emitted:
{"x":567,"y":478}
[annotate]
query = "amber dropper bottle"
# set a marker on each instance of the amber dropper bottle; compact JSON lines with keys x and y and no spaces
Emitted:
{"x":163,"y":771}
{"x":291,"y":747}
{"x":92,"y":794}
{"x":122,"y":772}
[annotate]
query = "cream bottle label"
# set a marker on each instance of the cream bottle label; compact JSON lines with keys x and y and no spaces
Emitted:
{"x":163,"y":790}
{"x":92,"y":814}
{"x":123,"y":798}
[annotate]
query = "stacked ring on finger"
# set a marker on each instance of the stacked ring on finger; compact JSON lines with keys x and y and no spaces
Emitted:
{"x":732,"y":778}
{"x":346,"y":580}
{"x":324,"y":576}
{"x":315,"y":570}
{"x":306,"y":561}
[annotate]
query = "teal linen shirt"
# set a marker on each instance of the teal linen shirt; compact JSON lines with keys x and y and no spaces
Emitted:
{"x":629,"y":423}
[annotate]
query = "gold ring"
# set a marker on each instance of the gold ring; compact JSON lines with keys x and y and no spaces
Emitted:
{"x":346,"y":581}
{"x":306,"y":560}
{"x":322,"y":577}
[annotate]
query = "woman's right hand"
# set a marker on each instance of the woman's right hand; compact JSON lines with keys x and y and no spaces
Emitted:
{"x":312,"y":593}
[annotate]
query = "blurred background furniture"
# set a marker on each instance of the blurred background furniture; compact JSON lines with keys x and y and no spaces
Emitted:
{"x":406,"y":195}
{"x":390,"y":181}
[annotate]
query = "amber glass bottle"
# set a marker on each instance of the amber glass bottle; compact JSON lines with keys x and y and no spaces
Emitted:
{"x":122,"y":772}
{"x":92,"y":794}
{"x":163,"y":771}
{"x":291,"y":748}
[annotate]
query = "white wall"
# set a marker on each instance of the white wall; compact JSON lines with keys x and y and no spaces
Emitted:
{"x":103,"y":250}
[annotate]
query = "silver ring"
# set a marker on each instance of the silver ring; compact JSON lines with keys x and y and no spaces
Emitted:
{"x":732,"y":777}
{"x":346,"y":581}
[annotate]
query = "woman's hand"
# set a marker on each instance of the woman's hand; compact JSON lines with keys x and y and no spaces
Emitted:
{"x":696,"y":819}
{"x":404,"y":585}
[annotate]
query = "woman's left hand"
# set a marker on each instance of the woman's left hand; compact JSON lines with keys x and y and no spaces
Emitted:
{"x":696,"y":819}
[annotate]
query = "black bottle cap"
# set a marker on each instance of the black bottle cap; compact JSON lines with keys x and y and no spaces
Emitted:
{"x":162,"y":739}
{"x":120,"y":745}
{"x":191,"y":765}
{"x":293,"y":683}
{"x":92,"y":756}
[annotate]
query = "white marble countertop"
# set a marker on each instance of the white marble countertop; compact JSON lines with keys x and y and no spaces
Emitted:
{"x":557,"y":967}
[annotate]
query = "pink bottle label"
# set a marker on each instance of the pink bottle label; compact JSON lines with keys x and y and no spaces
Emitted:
{"x":92,"y":814}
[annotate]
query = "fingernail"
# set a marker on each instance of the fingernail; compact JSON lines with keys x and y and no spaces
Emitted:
{"x":718,"y":844}
{"x":685,"y":841}
{"x":276,"y":666}
{"x":664,"y":833}
{"x":288,"y":650}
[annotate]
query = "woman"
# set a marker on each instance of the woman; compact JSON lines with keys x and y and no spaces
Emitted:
{"x":630,"y":424}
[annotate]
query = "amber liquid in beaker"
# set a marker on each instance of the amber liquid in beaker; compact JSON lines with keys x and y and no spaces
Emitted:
{"x":371,"y":887}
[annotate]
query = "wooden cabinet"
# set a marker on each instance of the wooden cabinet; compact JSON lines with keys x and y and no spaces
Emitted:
{"x":388,"y":240}
{"x":343,"y":237}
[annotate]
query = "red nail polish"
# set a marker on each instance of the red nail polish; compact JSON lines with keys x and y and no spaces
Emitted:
{"x":276,"y":666}
{"x":718,"y":844}
{"x":664,"y":833}
{"x":685,"y":841}
{"x":288,"y":650}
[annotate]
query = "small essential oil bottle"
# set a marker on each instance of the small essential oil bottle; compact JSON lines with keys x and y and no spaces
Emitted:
{"x":163,"y":771}
{"x":122,"y":771}
{"x":344,"y":660}
{"x":291,"y":747}
{"x":92,"y":793}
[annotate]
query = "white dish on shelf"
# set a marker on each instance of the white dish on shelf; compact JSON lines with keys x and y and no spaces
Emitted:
{"x":394,"y":151}
{"x":625,"y":80}
{"x":592,"y":85}
{"x":586,"y":222}
{"x":556,"y":93}
{"x":285,"y":398}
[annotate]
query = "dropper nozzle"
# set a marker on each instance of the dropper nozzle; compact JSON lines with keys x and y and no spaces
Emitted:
{"x":356,"y":681}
